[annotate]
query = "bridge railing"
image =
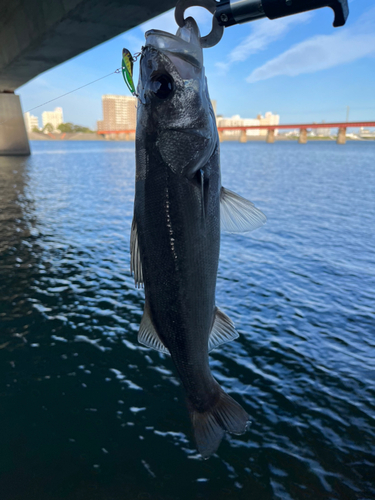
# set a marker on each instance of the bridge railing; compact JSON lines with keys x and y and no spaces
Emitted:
{"x":129,"y":134}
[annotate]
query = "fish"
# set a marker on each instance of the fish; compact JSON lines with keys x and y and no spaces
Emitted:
{"x":180,"y":207}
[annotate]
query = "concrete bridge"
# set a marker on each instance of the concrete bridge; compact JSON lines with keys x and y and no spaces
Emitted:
{"x":36,"y":35}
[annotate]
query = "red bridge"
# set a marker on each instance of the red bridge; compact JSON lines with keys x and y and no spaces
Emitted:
{"x":303,"y":127}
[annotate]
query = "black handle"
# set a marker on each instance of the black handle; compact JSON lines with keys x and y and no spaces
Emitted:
{"x":230,"y":12}
{"x":280,"y":8}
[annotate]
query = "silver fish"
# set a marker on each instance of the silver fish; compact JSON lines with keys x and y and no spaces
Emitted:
{"x":178,"y":210}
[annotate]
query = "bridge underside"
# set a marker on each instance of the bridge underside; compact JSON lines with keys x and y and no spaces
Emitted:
{"x":36,"y":35}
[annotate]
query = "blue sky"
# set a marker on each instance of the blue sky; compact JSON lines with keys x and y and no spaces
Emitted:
{"x":299,"y":67}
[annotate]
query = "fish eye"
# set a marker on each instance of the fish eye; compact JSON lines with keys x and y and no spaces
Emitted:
{"x":162,"y":86}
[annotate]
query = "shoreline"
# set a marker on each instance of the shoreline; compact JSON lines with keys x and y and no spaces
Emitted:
{"x":80,"y":136}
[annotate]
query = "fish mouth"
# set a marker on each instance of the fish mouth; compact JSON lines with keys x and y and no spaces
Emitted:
{"x":184,"y":44}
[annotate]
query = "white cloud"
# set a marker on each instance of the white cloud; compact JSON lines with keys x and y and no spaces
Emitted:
{"x":316,"y":54}
{"x":322,"y":52}
{"x":263,"y":33}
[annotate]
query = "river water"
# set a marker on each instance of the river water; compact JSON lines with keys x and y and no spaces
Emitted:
{"x":87,"y":413}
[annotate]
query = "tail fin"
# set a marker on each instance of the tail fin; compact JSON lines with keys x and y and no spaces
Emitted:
{"x":210,"y":426}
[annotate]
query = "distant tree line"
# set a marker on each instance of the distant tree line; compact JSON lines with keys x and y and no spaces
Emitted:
{"x":48,"y":127}
{"x":68,"y":128}
{"x":71,"y":128}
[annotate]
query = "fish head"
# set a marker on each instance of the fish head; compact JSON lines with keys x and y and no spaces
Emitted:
{"x":175,"y":112}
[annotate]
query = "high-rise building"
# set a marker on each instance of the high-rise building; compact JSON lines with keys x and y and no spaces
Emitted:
{"x":237,"y":121}
{"x":31,"y":122}
{"x":268,"y":119}
{"x":55,"y":118}
{"x":119,"y":113}
{"x":323,"y":131}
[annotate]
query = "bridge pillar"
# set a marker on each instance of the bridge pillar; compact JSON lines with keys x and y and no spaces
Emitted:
{"x":271,"y":136}
{"x":13,"y":136}
{"x":302,"y":136}
{"x":243,"y":136}
{"x":341,"y":136}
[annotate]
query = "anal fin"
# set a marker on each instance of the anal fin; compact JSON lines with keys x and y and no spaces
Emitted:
{"x":222,"y":330}
{"x":147,"y":334}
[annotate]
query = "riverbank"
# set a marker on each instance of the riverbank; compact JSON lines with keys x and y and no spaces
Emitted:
{"x":80,"y":136}
{"x":75,"y":136}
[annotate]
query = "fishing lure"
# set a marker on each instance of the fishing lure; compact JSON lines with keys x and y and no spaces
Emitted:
{"x":127,"y":69}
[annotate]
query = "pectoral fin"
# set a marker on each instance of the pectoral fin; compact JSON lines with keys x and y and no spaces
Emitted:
{"x":147,"y":334}
{"x":135,"y":257}
{"x":222,"y":330}
{"x":238,"y":215}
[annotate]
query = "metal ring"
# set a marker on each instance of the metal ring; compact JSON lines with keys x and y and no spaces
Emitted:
{"x":217,"y":31}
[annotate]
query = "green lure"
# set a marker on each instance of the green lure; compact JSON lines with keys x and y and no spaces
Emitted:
{"x":127,"y":69}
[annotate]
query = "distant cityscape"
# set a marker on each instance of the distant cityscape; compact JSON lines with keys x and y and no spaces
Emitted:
{"x":52,"y":118}
{"x":120,"y":114}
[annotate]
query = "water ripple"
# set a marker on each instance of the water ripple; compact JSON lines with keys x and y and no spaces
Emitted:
{"x":90,"y":413}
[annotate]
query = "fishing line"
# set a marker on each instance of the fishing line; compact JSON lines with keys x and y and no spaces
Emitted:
{"x":70,"y":92}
